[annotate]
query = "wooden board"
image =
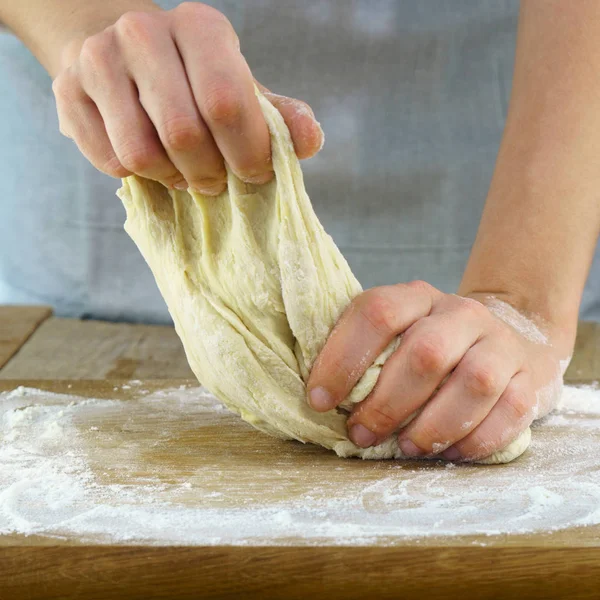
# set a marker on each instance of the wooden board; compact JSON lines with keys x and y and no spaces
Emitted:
{"x":557,"y":565}
{"x":61,"y":573}
{"x":17,"y":324}
{"x":73,"y":349}
{"x":135,"y":446}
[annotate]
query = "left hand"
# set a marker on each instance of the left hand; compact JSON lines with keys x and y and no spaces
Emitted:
{"x":480,"y":379}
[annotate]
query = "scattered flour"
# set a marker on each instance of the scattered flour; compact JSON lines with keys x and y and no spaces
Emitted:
{"x":53,"y":483}
{"x":511,"y":316}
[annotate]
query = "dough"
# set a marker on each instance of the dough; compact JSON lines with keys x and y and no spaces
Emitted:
{"x":254,"y":285}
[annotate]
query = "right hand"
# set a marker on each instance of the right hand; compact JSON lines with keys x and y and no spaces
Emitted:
{"x":167,"y":95}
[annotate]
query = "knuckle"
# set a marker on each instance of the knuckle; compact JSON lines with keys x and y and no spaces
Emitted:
{"x":419,"y":285}
{"x":341,"y":371}
{"x":62,"y":86}
{"x":189,"y":8}
{"x":480,"y":380}
{"x":382,"y":418}
{"x":95,"y":51}
{"x":113,"y":167}
{"x":64,"y":130}
{"x":139,"y":159}
{"x":135,"y":27}
{"x":427,"y":356}
{"x":223,"y":104}
{"x":194,"y":11}
{"x":518,"y":404}
{"x":477,"y":446}
{"x":377,"y":309}
{"x":473,"y":307}
{"x":182,"y":134}
{"x":430,"y":434}
{"x":67,"y":92}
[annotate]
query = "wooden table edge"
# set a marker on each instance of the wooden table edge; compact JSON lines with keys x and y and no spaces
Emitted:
{"x":297,"y":572}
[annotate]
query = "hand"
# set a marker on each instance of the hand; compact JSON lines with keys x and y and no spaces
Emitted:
{"x":168,"y":95}
{"x":479,"y":376}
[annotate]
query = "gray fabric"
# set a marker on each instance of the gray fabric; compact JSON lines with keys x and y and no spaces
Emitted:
{"x":412,"y":97}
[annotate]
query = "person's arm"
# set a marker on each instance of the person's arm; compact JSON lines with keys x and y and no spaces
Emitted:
{"x":163,"y":94}
{"x":541,"y":221}
{"x":54,"y":30}
{"x":481,"y":376}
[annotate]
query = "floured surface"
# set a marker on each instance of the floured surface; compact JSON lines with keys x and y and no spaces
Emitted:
{"x":141,"y":464}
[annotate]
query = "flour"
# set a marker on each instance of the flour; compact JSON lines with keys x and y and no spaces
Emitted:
{"x":511,"y":316}
{"x":59,"y":479}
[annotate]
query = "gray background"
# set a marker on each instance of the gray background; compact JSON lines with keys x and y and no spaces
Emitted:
{"x":412,"y":97}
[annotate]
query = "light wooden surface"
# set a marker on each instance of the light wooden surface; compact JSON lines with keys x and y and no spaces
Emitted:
{"x":17,"y":324}
{"x":63,"y":356}
{"x":227,"y":463}
{"x":71,"y":349}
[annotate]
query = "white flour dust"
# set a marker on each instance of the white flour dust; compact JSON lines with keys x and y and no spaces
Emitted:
{"x":70,"y":467}
{"x":511,"y":316}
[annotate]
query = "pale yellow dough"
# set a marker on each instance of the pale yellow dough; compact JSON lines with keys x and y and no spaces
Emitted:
{"x":254,"y":285}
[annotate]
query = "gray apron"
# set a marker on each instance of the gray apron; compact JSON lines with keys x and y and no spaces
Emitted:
{"x":412,"y":97}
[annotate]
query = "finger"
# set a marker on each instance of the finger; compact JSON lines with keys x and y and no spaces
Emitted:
{"x":548,"y":394}
{"x":129,"y":128}
{"x":305,"y":130}
{"x":223,"y":88}
{"x":509,"y":417}
{"x":429,"y":351}
{"x":153,"y":62}
{"x":465,"y":399}
{"x":80,"y":120}
{"x":370,"y":323}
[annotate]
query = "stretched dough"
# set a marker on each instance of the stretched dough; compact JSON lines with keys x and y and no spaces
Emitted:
{"x":254,"y":285}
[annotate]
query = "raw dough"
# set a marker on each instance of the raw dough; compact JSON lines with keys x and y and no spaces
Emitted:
{"x":254,"y":285}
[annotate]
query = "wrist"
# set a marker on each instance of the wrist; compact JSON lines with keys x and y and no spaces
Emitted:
{"x":560,"y":333}
{"x":83,"y":20}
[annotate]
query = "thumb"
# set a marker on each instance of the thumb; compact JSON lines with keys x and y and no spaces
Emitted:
{"x":305,"y":130}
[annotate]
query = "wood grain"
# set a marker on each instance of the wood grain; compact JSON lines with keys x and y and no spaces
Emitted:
{"x":17,"y":324}
{"x":73,"y":349}
{"x":104,"y":573}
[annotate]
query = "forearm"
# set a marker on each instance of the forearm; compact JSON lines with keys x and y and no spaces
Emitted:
{"x":542,"y":216}
{"x":52,"y":28}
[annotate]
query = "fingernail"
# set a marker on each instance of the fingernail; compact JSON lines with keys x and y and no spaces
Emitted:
{"x":209,"y":187}
{"x":320,"y":399}
{"x":322,"y":142}
{"x":259,"y":179}
{"x":361,"y":436}
{"x":410,"y":449}
{"x":181,"y":185}
{"x":451,"y":454}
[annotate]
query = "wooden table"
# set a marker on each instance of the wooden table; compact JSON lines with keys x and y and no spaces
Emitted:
{"x":92,"y":358}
